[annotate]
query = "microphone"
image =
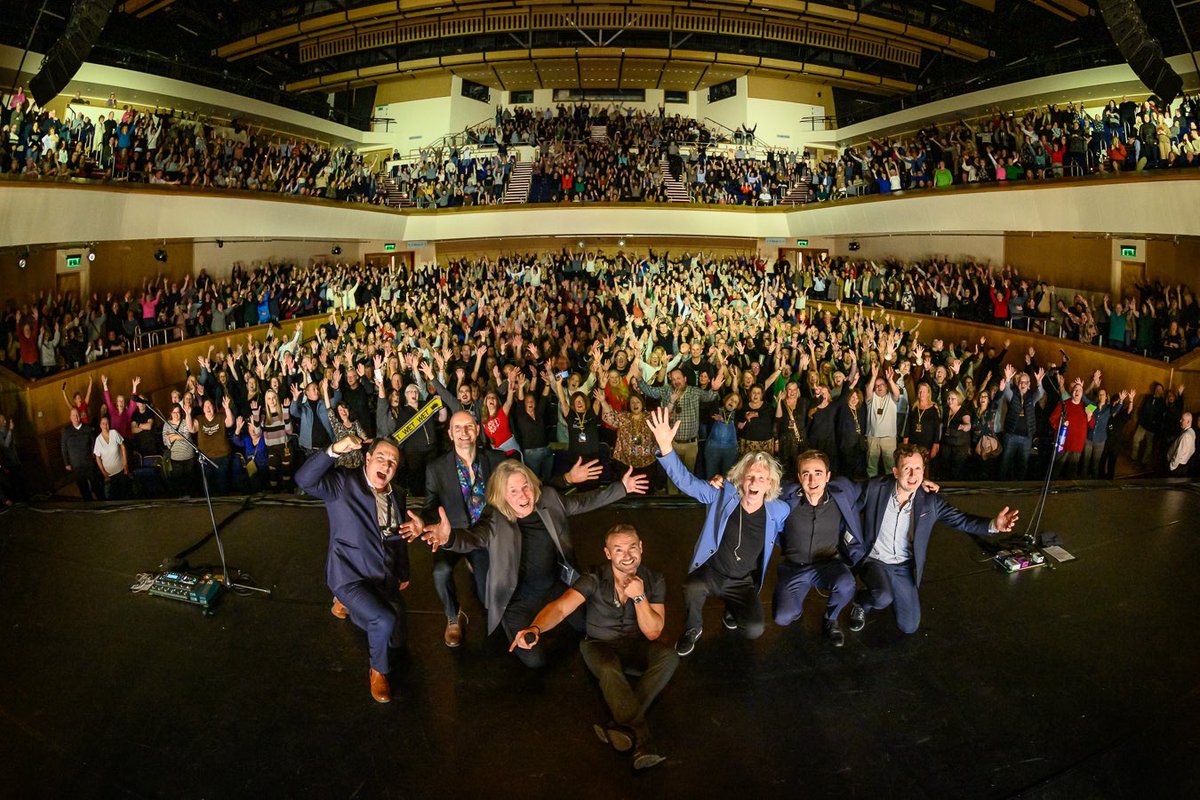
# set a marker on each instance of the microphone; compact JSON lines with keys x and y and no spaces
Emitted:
{"x":137,"y":398}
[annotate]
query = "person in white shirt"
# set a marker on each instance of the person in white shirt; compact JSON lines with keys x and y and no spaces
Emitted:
{"x":1183,"y":448}
{"x":881,"y":420}
{"x":109,"y":450}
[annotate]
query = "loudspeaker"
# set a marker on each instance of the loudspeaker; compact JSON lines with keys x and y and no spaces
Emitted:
{"x":1143,"y":53}
{"x":67,"y":54}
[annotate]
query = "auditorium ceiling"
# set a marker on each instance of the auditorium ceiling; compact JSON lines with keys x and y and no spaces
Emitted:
{"x":873,"y":52}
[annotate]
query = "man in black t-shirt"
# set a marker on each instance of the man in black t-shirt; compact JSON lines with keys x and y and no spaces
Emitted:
{"x":625,"y":613}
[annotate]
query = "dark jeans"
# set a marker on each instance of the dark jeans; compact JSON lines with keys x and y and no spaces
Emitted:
{"x":1014,"y":461}
{"x":891,"y":585}
{"x":719,"y":460}
{"x":378,"y":610}
{"x":90,"y":484}
{"x":415,"y":462}
{"x":539,"y":459}
{"x":444,"y":562}
{"x":740,"y":596}
{"x":218,"y":477}
{"x":118,"y":487}
{"x":795,"y":581}
{"x":1066,"y":464}
{"x":180,"y":477}
{"x":608,"y":661}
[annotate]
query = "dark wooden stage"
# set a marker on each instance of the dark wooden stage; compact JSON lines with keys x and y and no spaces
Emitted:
{"x":1081,"y":681}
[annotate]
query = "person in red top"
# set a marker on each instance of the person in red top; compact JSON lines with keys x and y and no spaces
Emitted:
{"x":27,"y":336}
{"x":1000,"y":302}
{"x":1079,"y":422}
{"x":495,"y":419}
{"x":120,"y":413}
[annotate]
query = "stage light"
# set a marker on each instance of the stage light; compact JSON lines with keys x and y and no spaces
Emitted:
{"x":220,"y":243}
{"x":91,"y":255}
{"x":23,"y":260}
{"x":160,"y":255}
{"x":337,"y":250}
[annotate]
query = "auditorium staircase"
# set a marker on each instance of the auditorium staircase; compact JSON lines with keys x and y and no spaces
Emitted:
{"x":800,"y":193}
{"x":676,"y":191}
{"x":395,"y":198}
{"x":517,"y":190}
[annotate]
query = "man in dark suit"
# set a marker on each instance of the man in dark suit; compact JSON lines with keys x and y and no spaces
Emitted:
{"x":456,"y":482}
{"x":898,"y":519}
{"x":822,"y":537}
{"x":528,"y":540}
{"x":367,"y":566}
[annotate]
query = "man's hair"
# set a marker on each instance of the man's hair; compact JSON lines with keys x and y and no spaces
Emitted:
{"x":618,"y":529}
{"x":813,"y":455}
{"x":498,"y":484}
{"x":909,"y":450}
{"x":761,"y":459}
{"x":380,"y":442}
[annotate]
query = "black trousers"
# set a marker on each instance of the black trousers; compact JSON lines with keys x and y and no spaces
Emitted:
{"x":608,"y":661}
{"x":444,"y":562}
{"x":740,"y":596}
{"x":519,"y":615}
{"x":91,"y":485}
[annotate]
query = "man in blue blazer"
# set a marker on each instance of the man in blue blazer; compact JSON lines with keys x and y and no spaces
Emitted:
{"x":822,"y":538}
{"x":742,"y":522}
{"x":898,"y":519}
{"x":367,"y":566}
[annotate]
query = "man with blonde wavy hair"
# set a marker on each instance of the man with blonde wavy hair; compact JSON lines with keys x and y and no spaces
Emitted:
{"x":525,"y":530}
{"x":742,"y":523}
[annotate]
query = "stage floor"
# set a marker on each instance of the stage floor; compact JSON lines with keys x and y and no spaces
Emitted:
{"x":1079,"y":681}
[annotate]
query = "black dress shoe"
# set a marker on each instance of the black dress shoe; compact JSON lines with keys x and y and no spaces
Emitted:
{"x":858,"y":617}
{"x":834,"y":632}
{"x":647,"y":756}
{"x":687,"y":642}
{"x":620,"y":740}
{"x":729,"y":621}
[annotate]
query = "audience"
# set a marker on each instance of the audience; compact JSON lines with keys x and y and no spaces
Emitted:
{"x":559,"y":357}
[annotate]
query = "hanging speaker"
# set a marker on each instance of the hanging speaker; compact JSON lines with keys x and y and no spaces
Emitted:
{"x":1140,"y":50}
{"x":69,"y":51}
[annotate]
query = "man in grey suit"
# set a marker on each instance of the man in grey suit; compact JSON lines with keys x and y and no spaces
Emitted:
{"x":526,"y":533}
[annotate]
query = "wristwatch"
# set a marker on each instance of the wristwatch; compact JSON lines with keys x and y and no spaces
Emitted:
{"x":639,"y":599}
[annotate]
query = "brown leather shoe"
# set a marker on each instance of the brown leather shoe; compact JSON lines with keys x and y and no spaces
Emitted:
{"x":381,"y":690}
{"x":339,"y":610}
{"x":454,"y":630}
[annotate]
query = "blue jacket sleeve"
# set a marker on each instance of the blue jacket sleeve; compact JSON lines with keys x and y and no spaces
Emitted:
{"x":316,"y":477}
{"x":688,"y":483}
{"x":960,"y":520}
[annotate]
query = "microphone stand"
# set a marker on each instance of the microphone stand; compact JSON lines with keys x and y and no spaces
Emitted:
{"x":226,"y":580}
{"x":1035,"y":519}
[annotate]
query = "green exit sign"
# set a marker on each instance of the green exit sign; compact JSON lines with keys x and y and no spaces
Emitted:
{"x":390,"y":246}
{"x":1128,"y":251}
{"x":802,"y":243}
{"x":74,"y":261}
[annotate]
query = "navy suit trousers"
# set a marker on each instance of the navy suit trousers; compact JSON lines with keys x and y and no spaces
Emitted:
{"x":795,"y":582}
{"x":891,"y":585}
{"x":378,"y":610}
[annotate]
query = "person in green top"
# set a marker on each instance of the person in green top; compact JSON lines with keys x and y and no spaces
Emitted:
{"x":1015,"y":171}
{"x":942,"y":177}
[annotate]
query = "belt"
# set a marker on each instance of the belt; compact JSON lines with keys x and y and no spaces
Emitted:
{"x":686,"y":441}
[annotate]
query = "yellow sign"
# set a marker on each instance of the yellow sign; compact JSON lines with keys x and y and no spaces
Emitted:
{"x":418,"y":419}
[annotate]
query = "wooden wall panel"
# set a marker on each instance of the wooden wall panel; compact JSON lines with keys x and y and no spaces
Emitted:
{"x":1062,"y":259}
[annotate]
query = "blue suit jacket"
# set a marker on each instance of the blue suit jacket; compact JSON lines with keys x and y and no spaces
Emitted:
{"x":927,"y":509}
{"x":848,"y":496}
{"x":720,"y":505}
{"x":357,"y":551}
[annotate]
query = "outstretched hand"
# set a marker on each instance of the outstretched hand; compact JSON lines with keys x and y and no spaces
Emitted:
{"x":635,"y":484}
{"x":1006,"y":520}
{"x":582,"y":473}
{"x":664,"y":431}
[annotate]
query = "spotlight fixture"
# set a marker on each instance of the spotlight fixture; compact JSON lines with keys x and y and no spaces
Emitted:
{"x":220,"y":243}
{"x":337,"y":250}
{"x":620,"y":242}
{"x":91,"y":255}
{"x":581,"y":244}
{"x":23,"y":260}
{"x":160,"y":255}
